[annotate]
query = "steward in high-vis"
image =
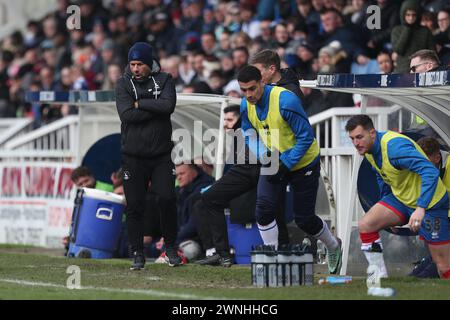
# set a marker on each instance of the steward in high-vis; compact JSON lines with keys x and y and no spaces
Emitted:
{"x":281,"y":124}
{"x":411,"y":192}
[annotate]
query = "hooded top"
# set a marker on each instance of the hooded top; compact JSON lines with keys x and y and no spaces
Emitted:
{"x":146,"y":131}
{"x":408,"y":39}
{"x":289,"y":80}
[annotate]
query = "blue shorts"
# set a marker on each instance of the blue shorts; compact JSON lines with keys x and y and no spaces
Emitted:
{"x":435,"y":224}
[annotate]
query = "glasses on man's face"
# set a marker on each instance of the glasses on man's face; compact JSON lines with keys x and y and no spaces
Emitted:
{"x":414,"y":68}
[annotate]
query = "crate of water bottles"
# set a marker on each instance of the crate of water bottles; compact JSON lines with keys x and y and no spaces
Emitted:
{"x":290,"y":265}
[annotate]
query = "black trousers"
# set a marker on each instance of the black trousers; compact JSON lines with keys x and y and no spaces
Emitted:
{"x":238,"y":180}
{"x":138,"y":172}
{"x":304,"y":183}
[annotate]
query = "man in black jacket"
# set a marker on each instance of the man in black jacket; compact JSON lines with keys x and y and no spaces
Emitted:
{"x":145,"y":99}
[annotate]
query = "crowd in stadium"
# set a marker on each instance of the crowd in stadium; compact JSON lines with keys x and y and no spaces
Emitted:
{"x":203,"y":44}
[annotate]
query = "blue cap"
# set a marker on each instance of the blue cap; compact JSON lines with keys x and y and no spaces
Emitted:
{"x":141,"y":51}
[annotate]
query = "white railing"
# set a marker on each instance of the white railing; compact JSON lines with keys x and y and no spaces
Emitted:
{"x":12,"y":128}
{"x":54,"y":142}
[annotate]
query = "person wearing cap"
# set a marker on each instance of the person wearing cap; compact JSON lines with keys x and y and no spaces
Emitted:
{"x":145,"y":100}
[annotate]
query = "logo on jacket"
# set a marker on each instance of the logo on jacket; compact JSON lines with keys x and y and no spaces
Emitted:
{"x":126,"y":175}
{"x":156,"y":92}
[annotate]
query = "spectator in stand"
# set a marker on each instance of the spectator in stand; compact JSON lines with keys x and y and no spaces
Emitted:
{"x":209,"y":45}
{"x":309,"y":15}
{"x":305,"y":54}
{"x":240,"y":58}
{"x":192,"y":19}
{"x":385,"y":62}
{"x":227,"y":66}
{"x":443,"y":20}
{"x":50,"y":28}
{"x":113,"y":74}
{"x":162,"y":33}
{"x":209,"y":21}
{"x":314,"y":102}
{"x":172,"y":65}
{"x":380,"y":38}
{"x":186,"y":70}
{"x":249,"y":25}
{"x":429,"y":20}
{"x":216,"y":81}
{"x":410,"y":36}
{"x":232,"y":18}
{"x":232,"y":89}
{"x":335,"y":30}
{"x":266,"y":39}
{"x":240,"y":39}
{"x":199,"y":66}
{"x":224,"y":44}
{"x":47,"y":78}
{"x":442,"y":38}
{"x":78,"y":79}
{"x":282,"y":38}
{"x":65,"y":80}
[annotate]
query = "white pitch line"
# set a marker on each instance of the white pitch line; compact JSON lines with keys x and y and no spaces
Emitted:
{"x":149,"y":292}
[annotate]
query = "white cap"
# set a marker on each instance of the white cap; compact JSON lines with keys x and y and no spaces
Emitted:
{"x":233,"y":85}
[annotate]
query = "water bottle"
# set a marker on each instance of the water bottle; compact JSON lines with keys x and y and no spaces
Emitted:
{"x":381,"y":292}
{"x":296,"y":268}
{"x":307,"y":260}
{"x":270,"y":259}
{"x":284,"y":266}
{"x":257,"y":261}
{"x":335,"y":280}
{"x":309,"y":274}
{"x":321,"y":253}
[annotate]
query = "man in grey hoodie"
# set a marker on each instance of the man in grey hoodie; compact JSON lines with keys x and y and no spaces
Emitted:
{"x":410,"y":36}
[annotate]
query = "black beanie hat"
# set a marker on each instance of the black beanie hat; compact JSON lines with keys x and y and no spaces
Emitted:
{"x":141,"y":51}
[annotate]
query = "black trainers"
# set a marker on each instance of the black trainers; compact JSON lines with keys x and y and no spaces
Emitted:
{"x":172,"y":257}
{"x":224,"y":260}
{"x":213,"y":260}
{"x":138,"y":261}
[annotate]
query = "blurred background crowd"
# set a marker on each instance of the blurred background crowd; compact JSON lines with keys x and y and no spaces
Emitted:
{"x":203,"y":44}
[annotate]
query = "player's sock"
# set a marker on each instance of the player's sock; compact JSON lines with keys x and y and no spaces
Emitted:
{"x":210,"y":252}
{"x":327,"y":237}
{"x":373,"y":250}
{"x":446,"y":274}
{"x":269,"y":233}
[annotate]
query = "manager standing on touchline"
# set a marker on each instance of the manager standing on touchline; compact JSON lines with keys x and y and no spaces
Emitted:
{"x":145,"y":99}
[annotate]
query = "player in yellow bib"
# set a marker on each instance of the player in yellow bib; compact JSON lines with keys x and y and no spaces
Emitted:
{"x":276,"y":117}
{"x":427,"y":268}
{"x":411,"y":192}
